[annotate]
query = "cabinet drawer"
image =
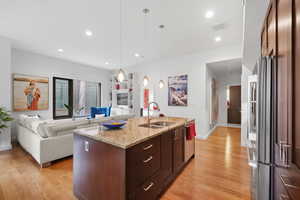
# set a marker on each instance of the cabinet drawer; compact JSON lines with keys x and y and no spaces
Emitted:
{"x":147,"y":167}
{"x":143,"y":150}
{"x":150,"y":189}
{"x":143,"y":160}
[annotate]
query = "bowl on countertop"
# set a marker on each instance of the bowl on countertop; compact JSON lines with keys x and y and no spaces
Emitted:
{"x":114,"y":124}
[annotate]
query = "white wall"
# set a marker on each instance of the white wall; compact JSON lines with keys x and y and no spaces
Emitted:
{"x":195,"y":66}
{"x":39,"y":65}
{"x":5,"y":87}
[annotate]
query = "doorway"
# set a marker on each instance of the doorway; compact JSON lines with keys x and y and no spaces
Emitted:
{"x":234,"y":105}
{"x":224,"y":93}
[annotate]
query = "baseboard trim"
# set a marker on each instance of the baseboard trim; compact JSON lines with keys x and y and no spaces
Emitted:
{"x":204,"y":137}
{"x":5,"y":147}
{"x":230,"y":125}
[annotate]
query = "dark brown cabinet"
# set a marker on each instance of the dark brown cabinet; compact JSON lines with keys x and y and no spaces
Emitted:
{"x":143,"y":160}
{"x":97,"y":165}
{"x":284,"y":82}
{"x":166,"y":155}
{"x":264,"y":44}
{"x":271,"y":30}
{"x":144,"y":171}
{"x":281,"y":38}
{"x":178,"y":149}
{"x":296,"y":88}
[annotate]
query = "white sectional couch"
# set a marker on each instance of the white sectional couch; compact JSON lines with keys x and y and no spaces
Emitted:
{"x":49,"y":140}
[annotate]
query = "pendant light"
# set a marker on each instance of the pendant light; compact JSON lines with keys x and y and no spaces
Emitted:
{"x":161,"y":83}
{"x":145,"y":11}
{"x":121,"y":73}
{"x":146,"y":81}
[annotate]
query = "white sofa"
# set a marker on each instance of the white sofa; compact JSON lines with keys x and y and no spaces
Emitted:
{"x":49,"y":140}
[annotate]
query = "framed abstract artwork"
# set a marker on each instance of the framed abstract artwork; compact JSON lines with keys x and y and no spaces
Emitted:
{"x":30,"y":93}
{"x":178,"y":90}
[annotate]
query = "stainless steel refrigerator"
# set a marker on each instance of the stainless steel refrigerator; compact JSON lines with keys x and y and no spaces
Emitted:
{"x":267,"y":76}
{"x":262,"y":158}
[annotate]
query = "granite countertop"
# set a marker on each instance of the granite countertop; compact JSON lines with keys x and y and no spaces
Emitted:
{"x":131,"y":134}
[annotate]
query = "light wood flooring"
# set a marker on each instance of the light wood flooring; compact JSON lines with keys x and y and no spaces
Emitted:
{"x":218,"y":172}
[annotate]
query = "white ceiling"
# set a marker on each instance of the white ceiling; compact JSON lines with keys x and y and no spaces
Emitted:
{"x":226,"y":69}
{"x":43,"y":26}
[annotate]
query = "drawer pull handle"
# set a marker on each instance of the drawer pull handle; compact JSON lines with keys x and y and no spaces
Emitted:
{"x":288,"y":181}
{"x":148,"y":159}
{"x":148,"y":187}
{"x":148,"y":147}
{"x":284,"y":197}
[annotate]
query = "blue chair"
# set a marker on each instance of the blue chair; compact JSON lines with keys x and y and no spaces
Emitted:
{"x":108,"y":111}
{"x":99,"y":110}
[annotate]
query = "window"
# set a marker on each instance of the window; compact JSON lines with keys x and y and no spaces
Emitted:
{"x":78,"y":95}
{"x":86,"y":95}
{"x":62,"y":95}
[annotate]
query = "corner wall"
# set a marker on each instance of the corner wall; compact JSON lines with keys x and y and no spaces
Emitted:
{"x":195,"y":66}
{"x":5,"y":88}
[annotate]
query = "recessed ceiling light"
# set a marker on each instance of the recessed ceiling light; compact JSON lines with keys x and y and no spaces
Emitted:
{"x":60,"y":50}
{"x":218,"y":39}
{"x":106,"y":63}
{"x":209,"y":14}
{"x":137,"y":55}
{"x":88,"y":33}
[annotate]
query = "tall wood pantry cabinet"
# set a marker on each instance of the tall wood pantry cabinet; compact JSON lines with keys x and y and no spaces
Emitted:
{"x":280,"y":37}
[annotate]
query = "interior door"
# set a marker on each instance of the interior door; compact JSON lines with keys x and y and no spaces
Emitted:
{"x":234,"y":110}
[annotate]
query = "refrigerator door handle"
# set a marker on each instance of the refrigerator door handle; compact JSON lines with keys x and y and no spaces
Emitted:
{"x":284,"y":153}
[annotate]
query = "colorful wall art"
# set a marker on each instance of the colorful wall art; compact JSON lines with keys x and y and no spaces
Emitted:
{"x":30,"y":93}
{"x":178,"y":90}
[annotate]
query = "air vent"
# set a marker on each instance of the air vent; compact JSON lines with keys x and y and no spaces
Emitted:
{"x":219,"y":27}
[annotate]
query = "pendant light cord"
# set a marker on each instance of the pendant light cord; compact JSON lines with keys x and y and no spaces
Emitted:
{"x":146,"y":12}
{"x":121,"y":30}
{"x":145,"y":43}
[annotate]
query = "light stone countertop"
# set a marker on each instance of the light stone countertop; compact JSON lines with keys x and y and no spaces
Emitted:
{"x":131,"y":134}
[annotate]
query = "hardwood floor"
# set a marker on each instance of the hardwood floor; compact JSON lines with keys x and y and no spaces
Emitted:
{"x":218,"y":172}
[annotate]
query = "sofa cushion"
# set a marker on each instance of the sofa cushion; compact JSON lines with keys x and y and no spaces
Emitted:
{"x":27,"y":120}
{"x":59,"y":127}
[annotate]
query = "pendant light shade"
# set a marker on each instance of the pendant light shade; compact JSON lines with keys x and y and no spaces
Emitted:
{"x":121,"y":75}
{"x":161,"y":84}
{"x":146,"y":81}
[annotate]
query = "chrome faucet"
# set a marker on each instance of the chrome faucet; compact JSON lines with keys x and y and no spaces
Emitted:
{"x":149,"y":109}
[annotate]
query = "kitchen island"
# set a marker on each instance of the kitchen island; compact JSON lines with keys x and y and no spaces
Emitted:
{"x":136,"y":162}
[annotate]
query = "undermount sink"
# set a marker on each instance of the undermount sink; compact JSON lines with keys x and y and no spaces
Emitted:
{"x":159,"y":124}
